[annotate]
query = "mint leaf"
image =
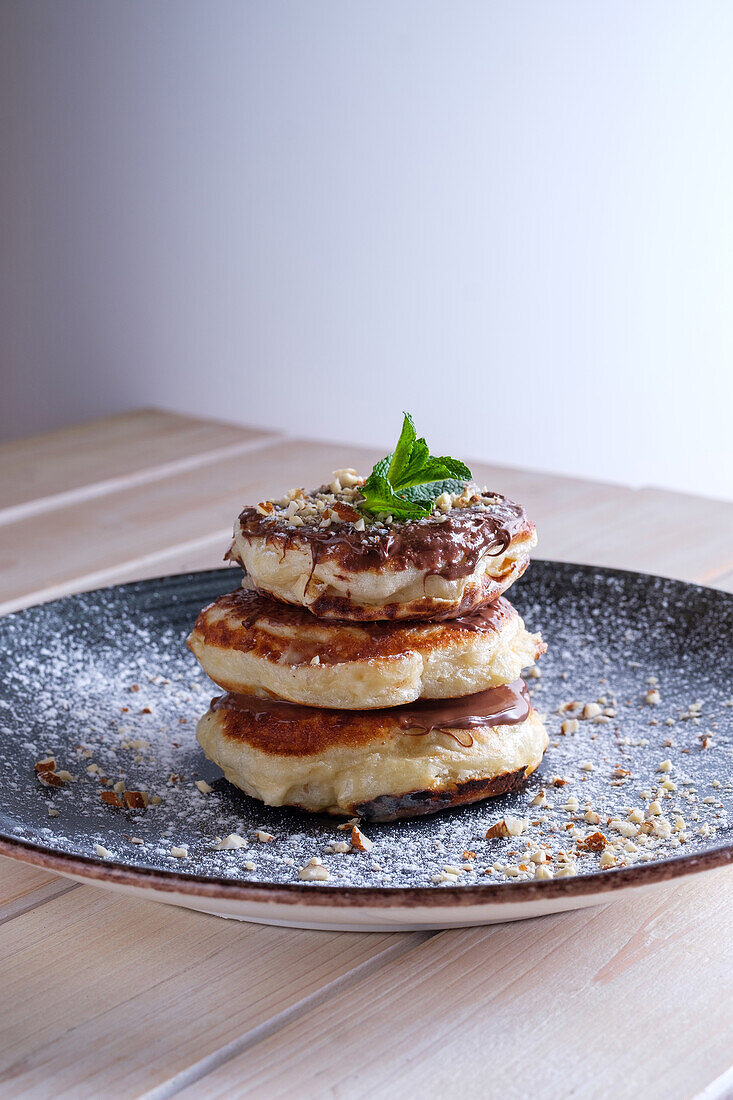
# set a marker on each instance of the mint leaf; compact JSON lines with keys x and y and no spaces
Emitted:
{"x":418,"y":457}
{"x":406,"y":483}
{"x":455,"y":468}
{"x":431,"y":490}
{"x":434,"y":469}
{"x":381,"y":468}
{"x":379,"y":496}
{"x":403,"y":451}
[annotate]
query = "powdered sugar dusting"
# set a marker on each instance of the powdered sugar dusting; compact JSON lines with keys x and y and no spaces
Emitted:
{"x":103,"y":683}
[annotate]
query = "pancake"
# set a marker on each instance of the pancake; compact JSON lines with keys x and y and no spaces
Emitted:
{"x":254,"y":646}
{"x":317,"y":551}
{"x":378,"y":765}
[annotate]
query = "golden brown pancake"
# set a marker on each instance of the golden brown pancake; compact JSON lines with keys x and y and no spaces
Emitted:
{"x":382,"y":764}
{"x":251,"y":645}
{"x":316,"y":550}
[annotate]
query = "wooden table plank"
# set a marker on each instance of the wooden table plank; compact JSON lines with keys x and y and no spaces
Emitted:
{"x":22,"y":887}
{"x":649,"y":531}
{"x":622,"y":1000}
{"x":61,"y":467}
{"x":158,"y":992}
{"x":94,"y":537}
{"x":208,"y":552}
{"x":111,"y":997}
{"x":145,"y":526}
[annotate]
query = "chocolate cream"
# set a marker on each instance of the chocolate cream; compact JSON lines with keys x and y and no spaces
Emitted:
{"x":505,"y":705}
{"x":451,"y":548}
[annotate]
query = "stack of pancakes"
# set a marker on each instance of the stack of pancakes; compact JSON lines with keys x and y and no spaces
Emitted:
{"x":372,"y":668}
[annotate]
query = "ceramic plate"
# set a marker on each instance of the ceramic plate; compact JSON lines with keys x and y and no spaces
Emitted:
{"x":103,"y":682}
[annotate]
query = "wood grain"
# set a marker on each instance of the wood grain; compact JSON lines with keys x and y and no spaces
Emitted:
{"x":141,"y":529}
{"x":22,"y":887}
{"x":111,"y":997}
{"x":648,"y":531}
{"x":622,"y":1000}
{"x":44,"y":471}
{"x":81,"y":545}
{"x":104,"y":996}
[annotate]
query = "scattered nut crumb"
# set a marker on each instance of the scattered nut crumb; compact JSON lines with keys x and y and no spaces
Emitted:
{"x":508,"y":826}
{"x":360,"y":842}
{"x":314,"y":871}
{"x":136,"y":800}
{"x":594,"y":842}
{"x":234,"y":840}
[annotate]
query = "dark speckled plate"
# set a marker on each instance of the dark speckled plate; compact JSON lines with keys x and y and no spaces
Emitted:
{"x":104,"y":683}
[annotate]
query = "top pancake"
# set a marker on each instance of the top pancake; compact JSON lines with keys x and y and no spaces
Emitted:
{"x":317,"y":551}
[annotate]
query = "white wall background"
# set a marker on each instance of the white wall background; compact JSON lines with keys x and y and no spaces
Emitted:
{"x":514,"y":219}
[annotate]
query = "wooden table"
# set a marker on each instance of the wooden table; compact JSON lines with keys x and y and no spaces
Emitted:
{"x":107,"y":997}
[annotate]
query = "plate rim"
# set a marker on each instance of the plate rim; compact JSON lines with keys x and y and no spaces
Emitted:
{"x":105,"y":872}
{"x":391,"y":897}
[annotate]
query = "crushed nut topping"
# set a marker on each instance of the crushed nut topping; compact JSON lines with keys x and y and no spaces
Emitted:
{"x":360,"y":842}
{"x":314,"y":871}
{"x":234,"y":840}
{"x":508,"y":826}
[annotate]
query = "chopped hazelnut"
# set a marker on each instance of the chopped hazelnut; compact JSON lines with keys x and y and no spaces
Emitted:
{"x":314,"y":871}
{"x":360,"y":842}
{"x":234,"y":840}
{"x":348,"y":478}
{"x":136,"y":800}
{"x":592,"y":843}
{"x":508,"y":826}
{"x":111,"y":798}
{"x":542,"y":871}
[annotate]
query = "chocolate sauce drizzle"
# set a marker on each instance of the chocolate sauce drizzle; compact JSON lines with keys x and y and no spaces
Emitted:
{"x":252,"y":609}
{"x":500,"y":706}
{"x":449,"y":549}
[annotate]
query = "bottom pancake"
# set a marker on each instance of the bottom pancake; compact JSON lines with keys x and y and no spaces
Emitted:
{"x":381,"y":764}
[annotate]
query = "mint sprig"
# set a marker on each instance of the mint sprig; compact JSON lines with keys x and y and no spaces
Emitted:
{"x":407,"y":482}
